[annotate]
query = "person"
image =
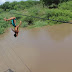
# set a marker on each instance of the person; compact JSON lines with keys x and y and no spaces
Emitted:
{"x":16,"y":27}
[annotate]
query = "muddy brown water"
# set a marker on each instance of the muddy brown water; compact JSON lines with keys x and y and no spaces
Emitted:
{"x":46,"y":49}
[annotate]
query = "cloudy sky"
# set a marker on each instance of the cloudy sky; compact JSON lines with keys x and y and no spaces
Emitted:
{"x":3,"y":1}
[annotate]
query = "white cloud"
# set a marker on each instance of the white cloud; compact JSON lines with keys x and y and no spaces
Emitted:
{"x":2,"y":1}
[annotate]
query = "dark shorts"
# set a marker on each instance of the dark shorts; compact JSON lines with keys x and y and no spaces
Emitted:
{"x":13,"y":22}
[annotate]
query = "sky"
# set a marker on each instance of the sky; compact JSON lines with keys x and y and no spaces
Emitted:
{"x":3,"y":1}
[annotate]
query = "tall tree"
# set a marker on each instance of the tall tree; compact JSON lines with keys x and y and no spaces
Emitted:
{"x":5,"y":6}
{"x":49,"y":2}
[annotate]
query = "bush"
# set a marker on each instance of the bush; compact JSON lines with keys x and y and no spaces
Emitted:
{"x":28,"y":19}
{"x":1,"y":17}
{"x":59,"y":19}
{"x":40,"y":23}
{"x":1,"y":10}
{"x":3,"y":26}
{"x":12,"y":11}
{"x":33,"y":11}
{"x":18,"y":16}
{"x":56,"y":13}
{"x":66,"y":5}
{"x":53,"y":6}
{"x":24,"y":24}
{"x":7,"y":10}
{"x":1,"y":30}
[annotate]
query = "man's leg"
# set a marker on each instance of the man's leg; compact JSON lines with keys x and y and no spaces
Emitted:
{"x":9,"y":18}
{"x":19,"y":24}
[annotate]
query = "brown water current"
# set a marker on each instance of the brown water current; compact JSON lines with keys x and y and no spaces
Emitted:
{"x":46,"y":49}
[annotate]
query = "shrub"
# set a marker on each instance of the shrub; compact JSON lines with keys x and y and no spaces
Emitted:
{"x":12,"y":11}
{"x":1,"y":10}
{"x":56,"y":13}
{"x":29,"y":20}
{"x":33,"y":11}
{"x":1,"y":30}
{"x":65,"y":5}
{"x":24,"y":24}
{"x":18,"y":16}
{"x":58,"y":20}
{"x":40,"y":23}
{"x":7,"y":10}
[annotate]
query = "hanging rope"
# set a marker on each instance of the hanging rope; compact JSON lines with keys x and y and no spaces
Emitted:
{"x":20,"y":59}
{"x":43,"y":18}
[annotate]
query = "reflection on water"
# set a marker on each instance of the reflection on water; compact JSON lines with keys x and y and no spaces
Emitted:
{"x":59,"y":32}
{"x":46,"y":49}
{"x":9,"y":70}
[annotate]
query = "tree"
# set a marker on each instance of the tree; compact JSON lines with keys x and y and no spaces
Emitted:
{"x":49,"y":2}
{"x":5,"y":6}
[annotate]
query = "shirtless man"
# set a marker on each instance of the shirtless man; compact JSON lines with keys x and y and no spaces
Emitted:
{"x":15,"y":30}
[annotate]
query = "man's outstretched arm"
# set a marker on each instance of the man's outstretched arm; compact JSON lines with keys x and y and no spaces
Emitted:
{"x":13,"y":30}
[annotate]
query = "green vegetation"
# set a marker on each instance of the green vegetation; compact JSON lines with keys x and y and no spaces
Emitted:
{"x":3,"y":25}
{"x":55,"y":9}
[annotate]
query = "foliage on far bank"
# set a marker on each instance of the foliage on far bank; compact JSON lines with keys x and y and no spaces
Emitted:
{"x":62,"y":13}
{"x":3,"y":25}
{"x":7,"y":6}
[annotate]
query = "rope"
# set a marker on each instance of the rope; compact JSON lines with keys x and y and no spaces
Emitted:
{"x":20,"y":59}
{"x":9,"y":59}
{"x":44,"y":18}
{"x":17,"y":56}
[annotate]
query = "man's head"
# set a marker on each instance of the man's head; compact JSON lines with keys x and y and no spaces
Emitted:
{"x":16,"y":34}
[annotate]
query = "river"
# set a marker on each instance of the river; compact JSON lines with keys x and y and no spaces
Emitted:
{"x":45,"y":49}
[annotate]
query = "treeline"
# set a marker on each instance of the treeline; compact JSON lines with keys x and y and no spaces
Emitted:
{"x":18,"y":5}
{"x":7,"y":6}
{"x":52,"y":3}
{"x":49,"y":2}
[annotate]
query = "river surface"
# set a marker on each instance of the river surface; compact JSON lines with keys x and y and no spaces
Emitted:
{"x":46,"y":49}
